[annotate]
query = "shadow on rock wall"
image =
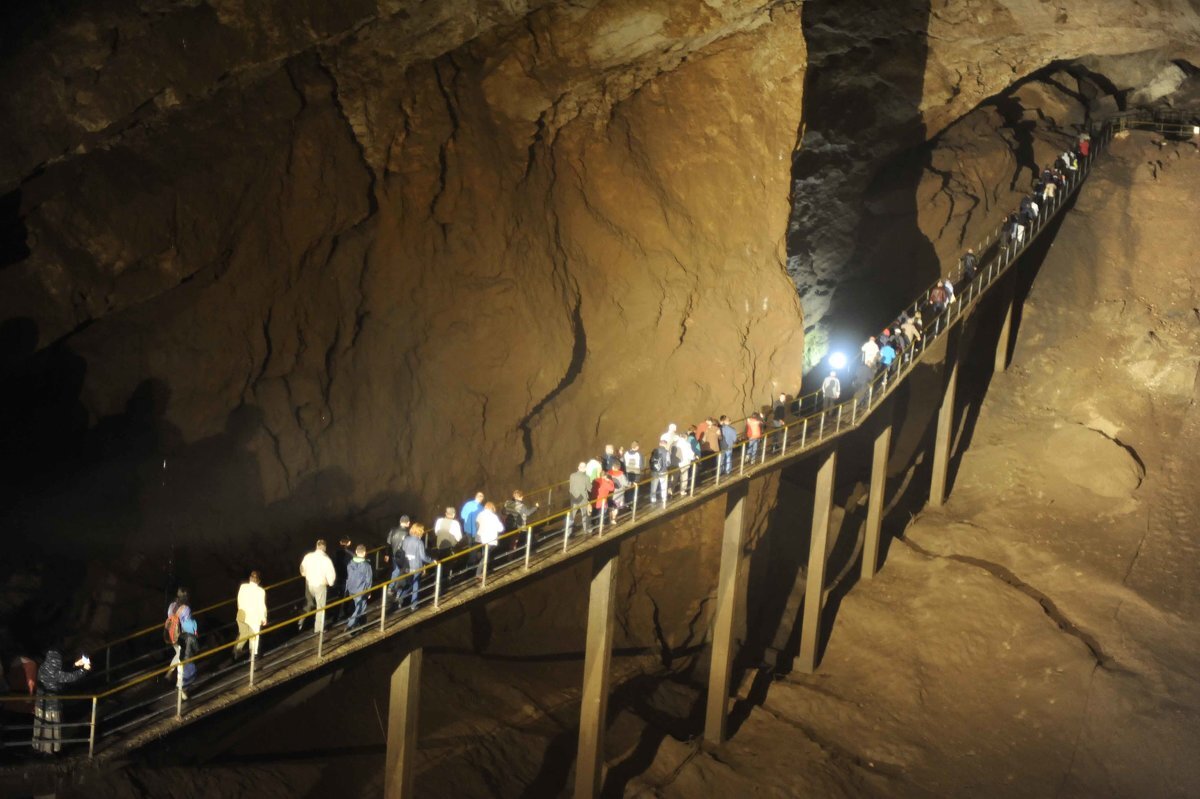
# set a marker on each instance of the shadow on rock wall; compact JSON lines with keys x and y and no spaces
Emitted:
{"x":125,"y":495}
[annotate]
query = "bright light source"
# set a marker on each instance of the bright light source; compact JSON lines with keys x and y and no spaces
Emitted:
{"x":837,"y":361}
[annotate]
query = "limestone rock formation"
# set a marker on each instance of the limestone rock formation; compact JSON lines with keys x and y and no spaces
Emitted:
{"x":409,"y":258}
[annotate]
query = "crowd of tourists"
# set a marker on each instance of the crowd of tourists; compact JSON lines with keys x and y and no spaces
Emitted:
{"x":885,"y":350}
{"x":603,"y":489}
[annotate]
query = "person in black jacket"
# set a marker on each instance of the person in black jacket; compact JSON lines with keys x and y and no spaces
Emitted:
{"x":47,"y":710}
{"x":341,"y":560}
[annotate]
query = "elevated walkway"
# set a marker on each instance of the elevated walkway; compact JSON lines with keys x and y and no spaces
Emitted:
{"x":137,"y":707}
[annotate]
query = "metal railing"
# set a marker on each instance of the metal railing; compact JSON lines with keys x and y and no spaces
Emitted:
{"x":140,"y":701}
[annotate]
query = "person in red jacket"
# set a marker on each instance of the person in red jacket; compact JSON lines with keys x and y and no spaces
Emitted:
{"x":602,"y":489}
{"x":754,"y":432}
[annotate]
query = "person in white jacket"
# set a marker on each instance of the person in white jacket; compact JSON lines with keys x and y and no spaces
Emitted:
{"x":488,"y":527}
{"x":251,"y":614}
{"x":319,"y":575}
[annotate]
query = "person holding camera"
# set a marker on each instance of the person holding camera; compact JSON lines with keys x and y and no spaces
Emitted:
{"x":52,"y":678}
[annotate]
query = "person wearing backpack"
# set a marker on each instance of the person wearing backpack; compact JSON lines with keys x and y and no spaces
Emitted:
{"x":178,"y":612}
{"x":189,"y":647}
{"x":660,"y":463}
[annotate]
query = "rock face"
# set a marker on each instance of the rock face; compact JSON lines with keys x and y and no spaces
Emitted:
{"x":883,"y":79}
{"x":1038,"y":636}
{"x":376,"y":272}
{"x":335,"y":248}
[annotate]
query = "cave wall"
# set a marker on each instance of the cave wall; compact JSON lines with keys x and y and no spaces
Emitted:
{"x":273,"y":272}
{"x":362,"y":278}
{"x":884,"y":79}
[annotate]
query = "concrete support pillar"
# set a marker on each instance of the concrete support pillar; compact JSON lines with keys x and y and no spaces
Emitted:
{"x":593,"y":708}
{"x":721,"y":666}
{"x":945,"y":428}
{"x":876,"y":499}
{"x":1005,"y":340}
{"x":818,"y":555}
{"x":402,"y":727}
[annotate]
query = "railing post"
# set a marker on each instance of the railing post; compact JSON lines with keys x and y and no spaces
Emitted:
{"x":603,"y":513}
{"x":107,"y":664}
{"x":633,"y":515}
{"x":720,"y":458}
{"x":549,"y":497}
{"x":821,"y":427}
{"x":254,"y":657}
{"x":870,"y":393}
{"x":837,"y":425}
{"x":487,"y":549}
{"x":528,"y":547}
{"x":383,"y":607}
{"x":179,"y":695}
{"x":437,"y":586}
{"x":692,"y":479}
{"x":783,"y":448}
{"x":321,"y":643}
{"x":742,"y":467}
{"x":92,"y":730}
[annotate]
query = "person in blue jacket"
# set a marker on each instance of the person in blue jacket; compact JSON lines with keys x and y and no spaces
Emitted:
{"x":358,"y":580}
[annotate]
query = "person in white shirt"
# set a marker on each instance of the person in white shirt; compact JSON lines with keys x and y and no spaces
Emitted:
{"x":319,"y":575}
{"x":685,"y":456}
{"x":671,"y":436}
{"x":633,"y":463}
{"x":447,"y":531}
{"x":831,"y":390}
{"x":251,"y":614}
{"x":489,"y":529}
{"x":870,"y":353}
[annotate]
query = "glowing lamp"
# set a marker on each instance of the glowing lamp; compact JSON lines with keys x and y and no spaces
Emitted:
{"x":837,"y":361}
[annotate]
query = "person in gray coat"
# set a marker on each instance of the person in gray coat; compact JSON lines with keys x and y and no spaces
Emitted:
{"x":579,"y":488}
